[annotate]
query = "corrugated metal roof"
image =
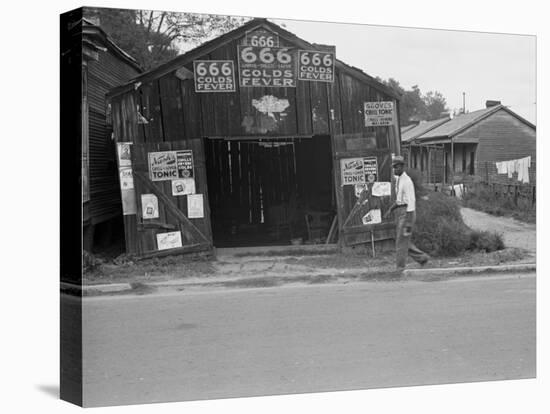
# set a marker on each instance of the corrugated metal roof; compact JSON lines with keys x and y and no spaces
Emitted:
{"x":90,"y":29}
{"x":422,"y":128}
{"x":406,"y":128}
{"x":459,"y":123}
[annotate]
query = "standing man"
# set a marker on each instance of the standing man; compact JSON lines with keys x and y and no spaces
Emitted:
{"x":405,"y":216}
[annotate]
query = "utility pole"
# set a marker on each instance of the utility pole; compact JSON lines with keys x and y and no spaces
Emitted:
{"x":463,"y":102}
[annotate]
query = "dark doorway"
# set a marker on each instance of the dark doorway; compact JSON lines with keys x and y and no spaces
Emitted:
{"x":272,"y":191}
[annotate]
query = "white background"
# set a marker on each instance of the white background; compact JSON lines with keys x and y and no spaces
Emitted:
{"x":30,"y":207}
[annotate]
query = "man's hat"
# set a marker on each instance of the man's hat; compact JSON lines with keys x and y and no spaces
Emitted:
{"x":398,"y":159}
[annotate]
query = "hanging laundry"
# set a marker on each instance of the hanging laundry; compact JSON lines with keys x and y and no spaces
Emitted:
{"x":501,"y":167}
{"x":523,"y":169}
{"x":520,"y":166}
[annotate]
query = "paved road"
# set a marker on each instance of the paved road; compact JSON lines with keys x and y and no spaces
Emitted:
{"x":182,"y":346}
{"x":515,"y":233}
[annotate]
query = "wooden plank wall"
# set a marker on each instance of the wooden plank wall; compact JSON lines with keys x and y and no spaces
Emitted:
{"x":175,"y":112}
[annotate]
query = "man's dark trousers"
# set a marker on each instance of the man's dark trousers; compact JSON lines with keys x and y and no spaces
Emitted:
{"x":403,"y":243}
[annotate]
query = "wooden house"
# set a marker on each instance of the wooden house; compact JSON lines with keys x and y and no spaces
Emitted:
{"x":104,"y":66}
{"x":467,"y":147}
{"x":426,"y":158}
{"x":257,"y":137}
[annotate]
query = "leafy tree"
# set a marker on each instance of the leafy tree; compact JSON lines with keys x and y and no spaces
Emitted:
{"x":155,"y":37}
{"x":415,"y":106}
{"x":436,"y":105}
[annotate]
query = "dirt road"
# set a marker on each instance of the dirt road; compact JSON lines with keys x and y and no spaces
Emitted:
{"x":515,"y":233}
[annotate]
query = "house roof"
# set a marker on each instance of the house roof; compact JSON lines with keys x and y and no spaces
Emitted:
{"x":460,"y":123}
{"x":215,"y":43}
{"x":93,"y":31}
{"x":422,"y":128}
{"x":407,"y":127}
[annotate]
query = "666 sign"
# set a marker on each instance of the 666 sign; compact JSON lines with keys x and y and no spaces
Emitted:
{"x":266,"y":66}
{"x":316,"y":66}
{"x":214,"y":76}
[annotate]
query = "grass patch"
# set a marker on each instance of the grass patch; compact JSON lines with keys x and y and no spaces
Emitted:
{"x":500,"y":205}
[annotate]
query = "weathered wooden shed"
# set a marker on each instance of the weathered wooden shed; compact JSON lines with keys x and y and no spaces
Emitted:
{"x":246,"y":140}
{"x":104,"y":66}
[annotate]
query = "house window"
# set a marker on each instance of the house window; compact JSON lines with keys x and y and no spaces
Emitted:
{"x":464,"y":159}
{"x":472,"y":162}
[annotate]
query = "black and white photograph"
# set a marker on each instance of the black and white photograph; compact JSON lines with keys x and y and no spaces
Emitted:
{"x":261,"y":204}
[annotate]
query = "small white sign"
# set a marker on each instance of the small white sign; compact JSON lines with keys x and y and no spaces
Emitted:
{"x":379,"y":113}
{"x":171,"y":240}
{"x":373,"y":217}
{"x":381,"y":189}
{"x":126,"y":178}
{"x":123,"y":149}
{"x":183,"y":186}
{"x":195,"y":206}
{"x":149,"y":206}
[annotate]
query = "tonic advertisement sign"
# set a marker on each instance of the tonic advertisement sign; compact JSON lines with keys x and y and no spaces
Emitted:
{"x":316,"y":66}
{"x":163,"y":166}
{"x":379,"y":113}
{"x":267,"y":67}
{"x":170,"y":165}
{"x":353,"y":171}
{"x":214,"y":76}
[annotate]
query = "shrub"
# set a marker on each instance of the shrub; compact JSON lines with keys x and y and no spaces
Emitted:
{"x":440,"y":230}
{"x":485,"y":241}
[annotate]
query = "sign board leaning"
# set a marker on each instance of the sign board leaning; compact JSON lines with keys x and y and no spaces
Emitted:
{"x":316,"y":66}
{"x":352,"y":170}
{"x":379,"y":113}
{"x":214,"y":76}
{"x":267,"y":67}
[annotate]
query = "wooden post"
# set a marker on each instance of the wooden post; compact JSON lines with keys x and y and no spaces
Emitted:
{"x":372,"y":243}
{"x":429,"y":165}
{"x":452,"y":167}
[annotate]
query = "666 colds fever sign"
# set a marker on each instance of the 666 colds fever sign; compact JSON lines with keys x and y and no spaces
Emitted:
{"x":316,"y":66}
{"x":214,"y":76}
{"x":267,"y":67}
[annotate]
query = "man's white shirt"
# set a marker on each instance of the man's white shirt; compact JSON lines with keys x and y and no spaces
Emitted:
{"x":405,"y":192}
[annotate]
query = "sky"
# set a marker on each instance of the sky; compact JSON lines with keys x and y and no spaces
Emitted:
{"x":485,"y":66}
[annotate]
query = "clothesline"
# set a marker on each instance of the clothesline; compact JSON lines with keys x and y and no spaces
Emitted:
{"x":520,"y":166}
